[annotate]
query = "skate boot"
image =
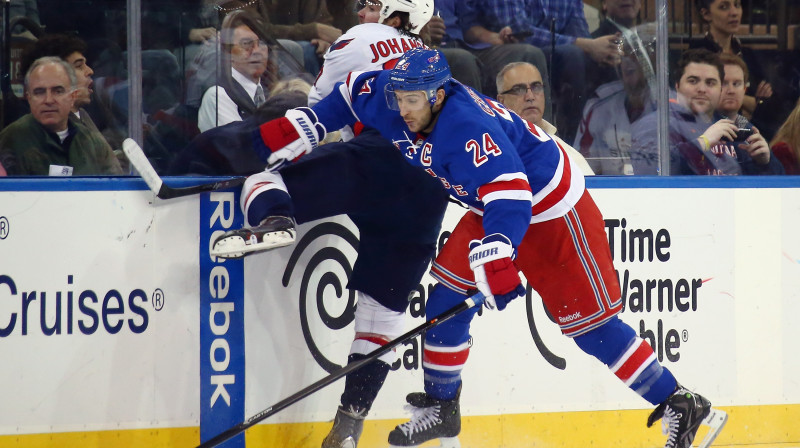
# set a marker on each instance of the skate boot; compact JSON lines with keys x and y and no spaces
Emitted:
{"x":431,"y":419}
{"x":681,"y":415}
{"x":347,"y":426}
{"x":271,"y":233}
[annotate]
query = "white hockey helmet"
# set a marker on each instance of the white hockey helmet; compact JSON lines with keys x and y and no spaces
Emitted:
{"x":419,"y":11}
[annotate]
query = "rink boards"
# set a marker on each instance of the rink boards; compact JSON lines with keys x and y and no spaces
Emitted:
{"x":117,"y":328}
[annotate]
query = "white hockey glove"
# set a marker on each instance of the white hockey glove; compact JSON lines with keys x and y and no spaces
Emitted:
{"x":496,"y":276}
{"x":289,"y":137}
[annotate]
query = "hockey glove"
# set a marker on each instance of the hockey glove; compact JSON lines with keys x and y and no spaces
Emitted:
{"x":496,"y":276}
{"x":289,"y":137}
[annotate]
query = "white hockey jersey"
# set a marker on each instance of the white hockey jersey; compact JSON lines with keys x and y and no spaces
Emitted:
{"x":365,"y":47}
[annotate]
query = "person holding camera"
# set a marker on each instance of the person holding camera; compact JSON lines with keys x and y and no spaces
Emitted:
{"x":703,"y":139}
{"x":731,"y":99}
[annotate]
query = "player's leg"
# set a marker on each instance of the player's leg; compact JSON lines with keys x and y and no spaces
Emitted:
{"x":269,"y":222}
{"x":337,"y":178}
{"x":375,"y":325}
{"x":633,"y":361}
{"x":437,"y":412}
{"x":446,"y":347}
{"x":574,"y":261}
{"x":389,"y":270}
{"x":398,"y":235}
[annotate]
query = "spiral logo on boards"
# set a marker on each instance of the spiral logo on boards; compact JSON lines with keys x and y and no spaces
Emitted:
{"x":327,"y":270}
{"x":329,"y":267}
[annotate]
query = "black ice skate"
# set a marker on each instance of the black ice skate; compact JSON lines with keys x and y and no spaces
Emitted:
{"x":431,"y":419}
{"x":271,"y":233}
{"x":347,"y":427}
{"x":681,"y":415}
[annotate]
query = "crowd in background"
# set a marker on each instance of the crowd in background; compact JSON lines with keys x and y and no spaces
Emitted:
{"x":585,"y":71}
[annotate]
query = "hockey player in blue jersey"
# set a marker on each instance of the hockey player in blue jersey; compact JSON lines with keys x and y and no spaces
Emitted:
{"x":529,"y":212}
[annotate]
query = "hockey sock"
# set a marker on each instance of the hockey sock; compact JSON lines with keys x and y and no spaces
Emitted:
{"x":272,"y":202}
{"x":630,"y":358}
{"x":361,"y":386}
{"x":446,"y":346}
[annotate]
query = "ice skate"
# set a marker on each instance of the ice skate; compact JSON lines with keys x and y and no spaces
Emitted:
{"x":347,"y":427}
{"x":681,"y":416}
{"x":273,"y":232}
{"x":431,"y":419}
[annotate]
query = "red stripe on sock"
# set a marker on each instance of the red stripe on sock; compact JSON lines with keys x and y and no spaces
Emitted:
{"x":373,"y":339}
{"x":254,"y":189}
{"x":634,"y":361}
{"x":446,"y":358}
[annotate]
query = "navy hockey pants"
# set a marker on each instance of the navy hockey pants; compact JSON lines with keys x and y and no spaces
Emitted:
{"x":397,"y":208}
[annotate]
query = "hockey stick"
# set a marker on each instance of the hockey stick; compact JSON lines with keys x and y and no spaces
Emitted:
{"x":233,"y":431}
{"x":163,"y":191}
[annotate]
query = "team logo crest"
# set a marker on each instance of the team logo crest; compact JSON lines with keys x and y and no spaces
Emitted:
{"x":339,"y":44}
{"x":366,"y":88}
{"x":407,"y":146}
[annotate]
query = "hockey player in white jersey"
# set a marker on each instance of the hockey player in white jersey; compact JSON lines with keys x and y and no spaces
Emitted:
{"x":529,"y":212}
{"x":374,"y":44}
{"x":365,"y":178}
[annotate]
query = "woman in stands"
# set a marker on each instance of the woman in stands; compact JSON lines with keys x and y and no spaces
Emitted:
{"x":786,"y":144}
{"x":723,"y":19}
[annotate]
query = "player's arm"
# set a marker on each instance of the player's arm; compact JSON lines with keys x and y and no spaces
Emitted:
{"x":502,"y":187}
{"x":506,"y":217}
{"x":301,"y":130}
{"x":342,"y":57}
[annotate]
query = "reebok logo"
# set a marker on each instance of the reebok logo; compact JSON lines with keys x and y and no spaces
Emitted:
{"x":570,"y":318}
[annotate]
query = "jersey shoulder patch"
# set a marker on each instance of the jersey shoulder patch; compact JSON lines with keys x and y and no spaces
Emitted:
{"x":339,"y":44}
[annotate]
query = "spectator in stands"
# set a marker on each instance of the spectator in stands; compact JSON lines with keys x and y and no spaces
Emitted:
{"x":529,"y":21}
{"x":240,"y":90}
{"x":723,"y":18}
{"x":733,"y":89}
{"x":701,"y":140}
{"x":27,"y":9}
{"x":465,"y":30}
{"x":521,"y":90}
{"x":619,"y":17}
{"x":344,"y":13}
{"x":72,"y":49}
{"x":786,"y":143}
{"x":46,"y":142}
{"x":306,"y":21}
{"x":2,"y":171}
{"x":604,"y":135}
{"x":203,"y":70}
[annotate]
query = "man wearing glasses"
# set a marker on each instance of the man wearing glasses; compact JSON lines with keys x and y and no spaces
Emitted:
{"x":239,"y":93}
{"x":45,"y":142}
{"x":522,"y":91}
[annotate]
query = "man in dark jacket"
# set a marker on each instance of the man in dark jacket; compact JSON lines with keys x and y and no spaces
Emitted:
{"x":46,"y":142}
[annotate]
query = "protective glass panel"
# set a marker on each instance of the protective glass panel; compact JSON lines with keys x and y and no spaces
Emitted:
{"x":91,"y":38}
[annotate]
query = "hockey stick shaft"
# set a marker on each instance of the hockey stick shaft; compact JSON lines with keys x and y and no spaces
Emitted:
{"x":233,"y":431}
{"x":139,"y":161}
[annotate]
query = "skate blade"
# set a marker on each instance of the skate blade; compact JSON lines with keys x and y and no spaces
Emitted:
{"x":715,"y":421}
{"x":235,"y":246}
{"x":444,"y":442}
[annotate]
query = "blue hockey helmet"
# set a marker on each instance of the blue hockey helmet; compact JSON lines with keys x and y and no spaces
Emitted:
{"x":418,"y":69}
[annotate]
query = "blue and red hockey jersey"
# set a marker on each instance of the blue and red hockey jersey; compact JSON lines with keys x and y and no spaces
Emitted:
{"x":486,"y":156}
